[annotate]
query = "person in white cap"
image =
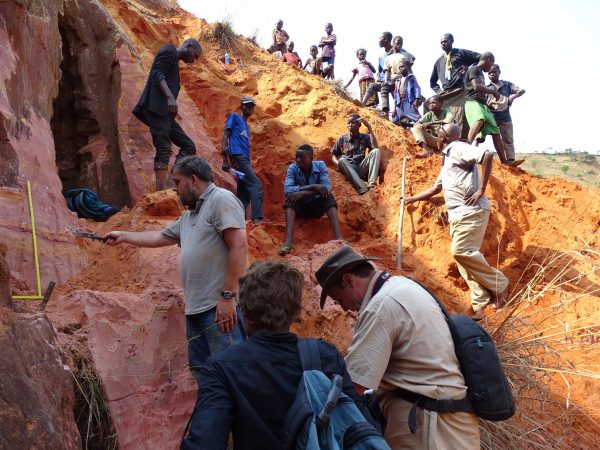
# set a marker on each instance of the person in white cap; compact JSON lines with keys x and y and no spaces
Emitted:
{"x":235,"y":148}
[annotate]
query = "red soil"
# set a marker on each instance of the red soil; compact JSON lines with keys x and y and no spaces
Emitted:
{"x":129,"y":300}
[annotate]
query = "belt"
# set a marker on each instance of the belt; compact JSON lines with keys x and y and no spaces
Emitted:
{"x":431,"y":404}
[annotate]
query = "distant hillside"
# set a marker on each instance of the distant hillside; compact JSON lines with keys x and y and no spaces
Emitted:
{"x":583,"y":168}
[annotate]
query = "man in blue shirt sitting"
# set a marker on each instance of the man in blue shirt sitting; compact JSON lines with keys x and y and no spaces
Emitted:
{"x":307,"y":194}
{"x":235,"y":146}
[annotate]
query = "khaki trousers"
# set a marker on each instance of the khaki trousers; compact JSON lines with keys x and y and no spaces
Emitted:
{"x":367,"y":170}
{"x":467,"y":234}
{"x":424,"y":136}
{"x":456,"y":431}
{"x":506,"y":131}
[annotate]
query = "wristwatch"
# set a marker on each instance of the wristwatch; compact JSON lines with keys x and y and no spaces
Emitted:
{"x":228,"y":295}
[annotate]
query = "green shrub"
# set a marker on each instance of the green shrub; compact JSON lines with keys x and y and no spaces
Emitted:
{"x":223,"y":33}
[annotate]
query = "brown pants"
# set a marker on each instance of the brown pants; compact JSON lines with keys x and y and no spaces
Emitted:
{"x":364,"y":85}
{"x":454,"y":100}
{"x":279,"y":48}
{"x":367,"y":170}
{"x":424,"y":136}
{"x":467,"y":235}
{"x":506,"y":131}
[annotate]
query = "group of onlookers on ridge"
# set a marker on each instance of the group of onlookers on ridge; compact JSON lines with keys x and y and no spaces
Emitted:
{"x":463,"y":97}
{"x":243,"y":355}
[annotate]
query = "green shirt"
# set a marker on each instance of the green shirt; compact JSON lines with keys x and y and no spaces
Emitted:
{"x":445,"y":116}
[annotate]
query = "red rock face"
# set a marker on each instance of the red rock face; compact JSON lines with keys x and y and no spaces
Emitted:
{"x":27,"y":146}
{"x":138,"y":346}
{"x":36,"y":391}
{"x":135,"y":328}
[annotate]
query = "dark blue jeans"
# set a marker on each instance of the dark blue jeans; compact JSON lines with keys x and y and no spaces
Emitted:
{"x":205,"y":337}
{"x":249,"y":190}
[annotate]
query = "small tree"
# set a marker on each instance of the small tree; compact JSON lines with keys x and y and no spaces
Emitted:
{"x":588,"y":158}
{"x":564,"y":168}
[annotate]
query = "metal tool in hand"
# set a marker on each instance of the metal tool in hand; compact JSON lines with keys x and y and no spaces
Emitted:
{"x":92,"y":236}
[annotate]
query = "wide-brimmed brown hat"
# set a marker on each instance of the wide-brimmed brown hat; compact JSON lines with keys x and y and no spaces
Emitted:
{"x":340,"y":262}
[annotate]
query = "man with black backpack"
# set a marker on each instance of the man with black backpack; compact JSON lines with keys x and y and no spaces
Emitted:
{"x":403,"y":348}
{"x":263,"y":390}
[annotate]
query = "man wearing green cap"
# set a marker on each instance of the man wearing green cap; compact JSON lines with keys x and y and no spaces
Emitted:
{"x":402,"y":348}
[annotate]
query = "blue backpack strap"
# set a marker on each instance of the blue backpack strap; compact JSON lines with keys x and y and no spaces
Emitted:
{"x":310,"y":358}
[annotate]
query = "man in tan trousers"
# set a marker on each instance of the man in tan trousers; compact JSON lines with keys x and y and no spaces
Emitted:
{"x":468,"y":213}
{"x":402,"y":347}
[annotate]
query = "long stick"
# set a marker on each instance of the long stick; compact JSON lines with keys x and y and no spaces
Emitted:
{"x":401,"y":219}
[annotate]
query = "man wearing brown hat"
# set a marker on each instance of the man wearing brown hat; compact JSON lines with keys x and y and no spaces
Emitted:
{"x":402,"y":348}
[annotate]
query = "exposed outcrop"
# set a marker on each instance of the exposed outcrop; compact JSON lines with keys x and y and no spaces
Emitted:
{"x":36,"y":394}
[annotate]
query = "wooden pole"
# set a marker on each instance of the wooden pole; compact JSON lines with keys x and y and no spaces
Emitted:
{"x":401,"y":218}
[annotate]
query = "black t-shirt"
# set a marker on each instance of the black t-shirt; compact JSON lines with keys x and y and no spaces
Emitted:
{"x":474,"y":72}
{"x":459,"y":57}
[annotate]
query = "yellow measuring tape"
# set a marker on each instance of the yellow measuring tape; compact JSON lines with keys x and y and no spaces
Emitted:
{"x":39,"y":295}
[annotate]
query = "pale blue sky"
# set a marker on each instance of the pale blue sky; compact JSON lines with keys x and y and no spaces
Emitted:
{"x":550,"y":48}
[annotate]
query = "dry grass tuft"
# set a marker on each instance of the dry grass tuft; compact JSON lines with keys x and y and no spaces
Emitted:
{"x":91,"y":410}
{"x":548,"y":350}
{"x":222,"y":33}
{"x":253,"y":38}
{"x":338,"y":88}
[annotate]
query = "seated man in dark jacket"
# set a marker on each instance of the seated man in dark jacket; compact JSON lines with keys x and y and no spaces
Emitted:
{"x":248,"y":388}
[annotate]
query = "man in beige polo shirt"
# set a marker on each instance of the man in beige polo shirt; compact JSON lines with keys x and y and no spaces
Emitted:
{"x":401,"y":347}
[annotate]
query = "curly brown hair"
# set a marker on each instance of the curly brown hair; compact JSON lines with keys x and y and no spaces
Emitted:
{"x":271,"y":294}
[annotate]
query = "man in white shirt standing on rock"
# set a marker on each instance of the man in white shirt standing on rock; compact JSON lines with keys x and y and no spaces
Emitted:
{"x":468,"y":213}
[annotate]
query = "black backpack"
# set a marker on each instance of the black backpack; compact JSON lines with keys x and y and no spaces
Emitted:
{"x":87,"y":205}
{"x":487,"y":387}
